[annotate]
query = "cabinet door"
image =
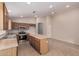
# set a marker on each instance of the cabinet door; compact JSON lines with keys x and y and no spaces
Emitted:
{"x":37,"y":45}
{"x":43,"y":46}
{"x":9,"y":52}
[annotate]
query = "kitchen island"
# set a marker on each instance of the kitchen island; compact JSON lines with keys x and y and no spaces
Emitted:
{"x":8,"y":47}
{"x":39,"y":42}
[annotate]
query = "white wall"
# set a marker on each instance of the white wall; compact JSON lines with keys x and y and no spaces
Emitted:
{"x":46,"y":25}
{"x":65,"y":26}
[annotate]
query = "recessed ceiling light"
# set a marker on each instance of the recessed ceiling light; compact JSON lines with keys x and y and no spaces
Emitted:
{"x":21,"y":16}
{"x":67,"y":6}
{"x":28,"y":2}
{"x":51,"y":6}
{"x":9,"y":10}
{"x":52,"y":12}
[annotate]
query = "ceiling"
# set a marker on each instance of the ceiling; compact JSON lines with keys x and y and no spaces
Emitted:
{"x":18,"y":9}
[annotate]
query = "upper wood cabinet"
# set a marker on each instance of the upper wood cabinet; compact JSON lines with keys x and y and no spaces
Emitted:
{"x":3,"y":17}
{"x":16,"y":25}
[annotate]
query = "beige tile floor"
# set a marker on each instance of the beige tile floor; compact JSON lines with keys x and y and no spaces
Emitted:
{"x":56,"y":48}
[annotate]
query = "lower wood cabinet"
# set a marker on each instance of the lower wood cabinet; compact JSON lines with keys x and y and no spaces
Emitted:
{"x":9,"y":52}
{"x":8,"y":47}
{"x":40,"y":44}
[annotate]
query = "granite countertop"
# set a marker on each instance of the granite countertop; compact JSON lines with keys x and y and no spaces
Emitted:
{"x":8,"y":43}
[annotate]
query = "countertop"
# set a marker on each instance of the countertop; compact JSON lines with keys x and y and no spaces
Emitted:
{"x":38,"y":36}
{"x":2,"y":33}
{"x":8,"y":43}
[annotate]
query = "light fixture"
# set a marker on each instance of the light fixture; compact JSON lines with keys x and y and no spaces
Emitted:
{"x":67,"y":6}
{"x":52,"y":12}
{"x":9,"y":11}
{"x":51,"y":6}
{"x":21,"y":16}
{"x":28,"y":2}
{"x":34,"y":12}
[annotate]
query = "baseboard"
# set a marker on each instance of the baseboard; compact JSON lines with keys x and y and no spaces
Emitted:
{"x":70,"y":42}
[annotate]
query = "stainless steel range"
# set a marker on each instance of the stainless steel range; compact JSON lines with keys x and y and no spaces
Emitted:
{"x":22,"y":35}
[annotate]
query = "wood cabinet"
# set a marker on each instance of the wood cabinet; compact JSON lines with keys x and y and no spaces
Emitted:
{"x":9,"y":52}
{"x":8,"y":47}
{"x":16,"y":25}
{"x":3,"y":17}
{"x":39,"y":42}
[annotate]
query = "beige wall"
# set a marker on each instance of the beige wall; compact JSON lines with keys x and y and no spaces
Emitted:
{"x":65,"y":26}
{"x":1,"y":16}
